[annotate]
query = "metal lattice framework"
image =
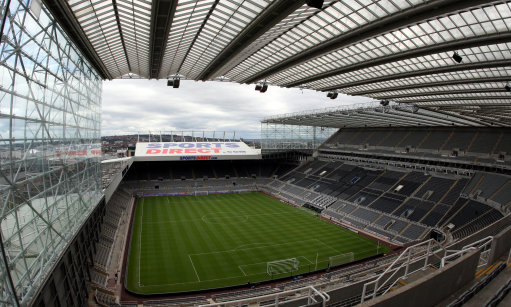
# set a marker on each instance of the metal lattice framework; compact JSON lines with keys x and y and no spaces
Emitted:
{"x":50,"y":100}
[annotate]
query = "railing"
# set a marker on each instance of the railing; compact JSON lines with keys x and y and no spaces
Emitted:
{"x":312,"y":293}
{"x":412,"y":254}
{"x":483,"y":244}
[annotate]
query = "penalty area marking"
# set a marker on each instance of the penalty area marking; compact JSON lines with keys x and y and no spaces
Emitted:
{"x":239,"y":267}
{"x":196,"y":274}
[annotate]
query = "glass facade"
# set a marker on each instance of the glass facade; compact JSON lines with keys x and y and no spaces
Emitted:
{"x":277,"y":137}
{"x":50,"y":176}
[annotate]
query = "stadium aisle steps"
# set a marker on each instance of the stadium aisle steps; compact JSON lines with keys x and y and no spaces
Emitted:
{"x":501,"y":136}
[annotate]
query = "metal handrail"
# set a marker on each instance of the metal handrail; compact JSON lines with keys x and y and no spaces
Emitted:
{"x":324,"y":296}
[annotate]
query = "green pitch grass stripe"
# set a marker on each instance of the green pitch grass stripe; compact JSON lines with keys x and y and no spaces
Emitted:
{"x":190,"y":243}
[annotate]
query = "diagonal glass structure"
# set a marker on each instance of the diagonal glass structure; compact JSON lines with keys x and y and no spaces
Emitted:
{"x":50,"y":177}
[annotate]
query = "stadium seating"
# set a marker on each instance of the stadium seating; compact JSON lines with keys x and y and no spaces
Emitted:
{"x":104,"y":297}
{"x":176,"y":170}
{"x":114,"y":210}
{"x":463,"y":144}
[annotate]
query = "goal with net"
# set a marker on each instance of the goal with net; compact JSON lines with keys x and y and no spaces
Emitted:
{"x":282,"y":266}
{"x":340,"y":259}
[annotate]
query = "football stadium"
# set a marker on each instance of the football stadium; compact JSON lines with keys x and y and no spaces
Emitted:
{"x":401,"y":201}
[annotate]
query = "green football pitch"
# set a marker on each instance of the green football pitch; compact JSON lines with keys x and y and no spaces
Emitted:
{"x":187,"y":243}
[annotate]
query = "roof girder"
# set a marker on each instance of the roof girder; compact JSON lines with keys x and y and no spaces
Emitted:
{"x":431,"y":71}
{"x":65,"y":17}
{"x":434,"y":93}
{"x":162,"y":14}
{"x":414,"y":53}
{"x":272,"y":15}
{"x":400,"y":19}
{"x":431,"y":84}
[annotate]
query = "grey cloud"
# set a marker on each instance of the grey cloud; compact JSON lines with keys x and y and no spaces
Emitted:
{"x":131,"y":106}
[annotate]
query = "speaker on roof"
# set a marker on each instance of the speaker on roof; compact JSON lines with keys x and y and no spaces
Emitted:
{"x":170,"y":82}
{"x":176,"y":83}
{"x":457,"y":57}
{"x":258,"y":87}
{"x":264,"y":88}
{"x":318,"y":4}
{"x":334,"y":95}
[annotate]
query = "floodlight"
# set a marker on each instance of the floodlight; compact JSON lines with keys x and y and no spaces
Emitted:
{"x":457,"y":57}
{"x":258,"y":87}
{"x":507,"y":87}
{"x":318,"y":4}
{"x":174,"y":82}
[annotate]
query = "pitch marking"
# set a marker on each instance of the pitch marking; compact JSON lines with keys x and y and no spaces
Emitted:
{"x":194,"y":267}
{"x":140,"y":242}
{"x":239,"y":266}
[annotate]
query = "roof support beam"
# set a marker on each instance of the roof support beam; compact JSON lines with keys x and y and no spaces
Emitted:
{"x":64,"y":16}
{"x":472,"y":117}
{"x":431,"y":49}
{"x":162,"y":14}
{"x":432,"y":84}
{"x":457,"y":99}
{"x":436,"y":93}
{"x":116,"y":12}
{"x":432,"y":71}
{"x":394,"y":21}
{"x":272,"y":15}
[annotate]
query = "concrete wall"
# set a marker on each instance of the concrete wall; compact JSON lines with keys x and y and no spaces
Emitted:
{"x":500,"y":245}
{"x":426,"y":291}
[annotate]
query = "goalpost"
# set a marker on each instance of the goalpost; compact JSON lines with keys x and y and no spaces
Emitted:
{"x":340,"y":259}
{"x":282,"y":266}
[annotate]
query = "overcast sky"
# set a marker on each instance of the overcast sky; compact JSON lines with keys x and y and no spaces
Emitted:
{"x":131,"y":106}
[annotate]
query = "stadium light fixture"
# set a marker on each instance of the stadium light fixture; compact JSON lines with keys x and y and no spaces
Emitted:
{"x":261,"y":87}
{"x":507,"y":87}
{"x":332,"y":95}
{"x":175,"y":82}
{"x":384,"y":102}
{"x":457,"y":57}
{"x":318,"y":4}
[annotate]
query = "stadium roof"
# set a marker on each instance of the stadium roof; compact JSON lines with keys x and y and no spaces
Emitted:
{"x":376,"y":115}
{"x":400,"y":50}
